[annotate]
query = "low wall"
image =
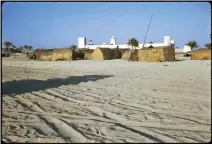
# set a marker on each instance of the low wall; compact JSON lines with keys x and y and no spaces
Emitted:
{"x":124,"y":46}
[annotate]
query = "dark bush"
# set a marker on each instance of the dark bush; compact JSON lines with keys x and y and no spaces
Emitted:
{"x":187,"y":55}
{"x":150,"y":46}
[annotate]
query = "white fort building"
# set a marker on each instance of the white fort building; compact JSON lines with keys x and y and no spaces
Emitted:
{"x":82,"y":44}
{"x":167,"y":42}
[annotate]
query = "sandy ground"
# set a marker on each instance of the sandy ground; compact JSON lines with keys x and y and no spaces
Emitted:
{"x":106,"y":101}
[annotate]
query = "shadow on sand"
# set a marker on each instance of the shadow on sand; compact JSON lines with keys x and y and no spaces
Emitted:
{"x":27,"y":86}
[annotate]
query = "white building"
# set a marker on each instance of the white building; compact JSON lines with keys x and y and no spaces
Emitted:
{"x":186,"y":48}
{"x":183,"y":50}
{"x":82,"y":43}
{"x":113,"y":41}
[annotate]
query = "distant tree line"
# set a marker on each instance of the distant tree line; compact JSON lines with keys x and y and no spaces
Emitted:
{"x":9,"y":46}
{"x":193,"y":44}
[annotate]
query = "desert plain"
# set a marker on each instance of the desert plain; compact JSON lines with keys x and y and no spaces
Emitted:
{"x":106,"y":101}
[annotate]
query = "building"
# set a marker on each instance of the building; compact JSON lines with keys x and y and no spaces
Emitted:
{"x":82,"y":44}
{"x":183,"y":50}
{"x":186,"y":48}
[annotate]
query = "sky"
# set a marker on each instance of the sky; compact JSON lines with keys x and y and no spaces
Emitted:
{"x":59,"y":24}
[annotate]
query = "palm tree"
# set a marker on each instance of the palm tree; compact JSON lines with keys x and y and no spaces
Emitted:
{"x":90,"y":41}
{"x":133,"y":42}
{"x":7,"y":44}
{"x":192,"y":44}
{"x":208,"y":45}
{"x":13,"y":46}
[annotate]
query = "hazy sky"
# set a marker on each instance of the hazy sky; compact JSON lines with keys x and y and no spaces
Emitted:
{"x":61,"y":23}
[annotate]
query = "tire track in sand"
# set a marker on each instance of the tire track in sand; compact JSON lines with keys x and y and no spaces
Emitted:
{"x":122,"y":122}
{"x":68,"y":133}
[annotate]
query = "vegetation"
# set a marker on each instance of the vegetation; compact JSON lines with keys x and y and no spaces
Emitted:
{"x":133,"y":42}
{"x":26,"y":47}
{"x":21,"y":48}
{"x":150,"y":46}
{"x":47,"y":50}
{"x":187,"y":55}
{"x":29,"y":48}
{"x":151,"y":42}
{"x":73,"y":46}
{"x":17,"y":50}
{"x":13,"y":48}
{"x":7,"y":44}
{"x":192,"y":44}
{"x":9,"y":47}
{"x":208,"y":45}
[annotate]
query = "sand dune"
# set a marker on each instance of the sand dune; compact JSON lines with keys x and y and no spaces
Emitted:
{"x":106,"y":101}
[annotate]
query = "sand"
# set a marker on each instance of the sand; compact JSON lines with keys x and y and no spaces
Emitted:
{"x":106,"y":101}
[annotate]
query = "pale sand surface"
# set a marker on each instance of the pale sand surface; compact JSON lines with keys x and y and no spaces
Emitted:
{"x":106,"y":101}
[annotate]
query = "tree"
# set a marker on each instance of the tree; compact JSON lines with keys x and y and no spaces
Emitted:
{"x":21,"y":48}
{"x":192,"y":44}
{"x":13,"y":46}
{"x":29,"y":48}
{"x":73,"y":47}
{"x":208,"y":45}
{"x":151,"y":42}
{"x":25,"y":47}
{"x":133,"y":42}
{"x":7,"y":44}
